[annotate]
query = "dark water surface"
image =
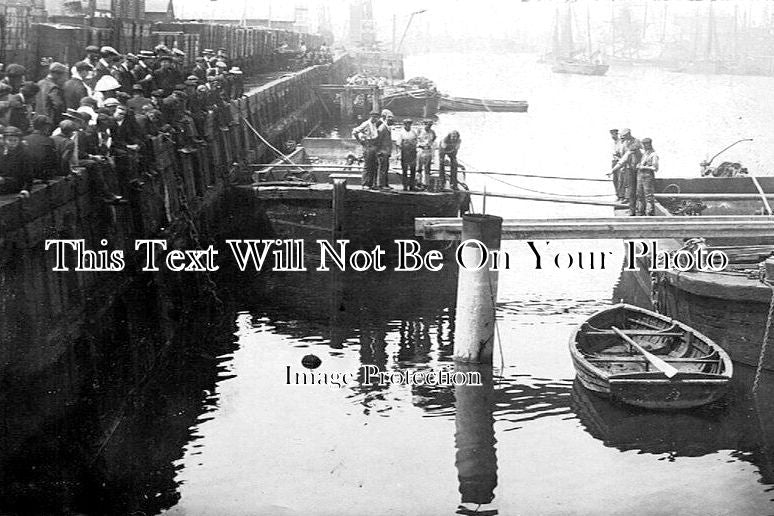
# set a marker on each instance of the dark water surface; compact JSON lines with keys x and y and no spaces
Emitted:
{"x":218,"y":431}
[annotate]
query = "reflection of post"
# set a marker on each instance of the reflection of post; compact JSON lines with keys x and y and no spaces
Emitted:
{"x":339,"y":194}
{"x":477,"y":291}
{"x":475,"y":441}
{"x":337,"y":309}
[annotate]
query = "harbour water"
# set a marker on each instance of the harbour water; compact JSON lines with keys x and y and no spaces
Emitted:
{"x":220,"y":431}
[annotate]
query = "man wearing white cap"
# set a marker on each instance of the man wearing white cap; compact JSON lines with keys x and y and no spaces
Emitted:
{"x":106,"y":87}
{"x":108,"y":56}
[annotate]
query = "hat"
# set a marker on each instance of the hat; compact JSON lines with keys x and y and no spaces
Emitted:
{"x":221,"y":50}
{"x":88,"y":101}
{"x":192,"y":82}
{"x":625,"y":132}
{"x":221,"y":64}
{"x":57,"y":68}
{"x":201,"y":88}
{"x":107,"y":83}
{"x":86,"y":110}
{"x":92,"y":49}
{"x":110,"y":102}
{"x":157,"y":93}
{"x":41,"y":121}
{"x":208,"y":51}
{"x":165,"y":58}
{"x":12,"y":131}
{"x":373,"y":113}
{"x":161,"y":48}
{"x":15,"y":70}
{"x":83,"y":65}
{"x":146,"y":53}
{"x":647,"y":140}
{"x":108,"y":51}
{"x":137,"y":87}
{"x":408,"y":121}
{"x":77,"y":115}
{"x":387,"y":113}
{"x":613,"y":131}
{"x":178,"y":52}
{"x":235,"y":70}
{"x":131,"y":57}
{"x":67,"y":126}
{"x":200,"y":59}
{"x":427,"y":121}
{"x":179,"y":87}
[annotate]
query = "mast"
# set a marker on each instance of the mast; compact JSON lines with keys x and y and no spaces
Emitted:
{"x":556,"y":35}
{"x":710,"y":30}
{"x":588,"y":29}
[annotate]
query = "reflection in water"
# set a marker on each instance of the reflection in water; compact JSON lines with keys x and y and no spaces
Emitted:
{"x":475,"y":442}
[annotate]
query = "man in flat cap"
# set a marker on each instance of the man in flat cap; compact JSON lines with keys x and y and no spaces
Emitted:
{"x":618,"y":183}
{"x":15,"y":175}
{"x":79,"y":85}
{"x":138,"y":100}
{"x":425,"y":143}
{"x":646,"y":179}
{"x":50,"y":100}
{"x":406,"y":140}
{"x":41,"y":149}
{"x":367,"y":134}
{"x":165,"y":77}
{"x":143,"y":71}
{"x":200,"y":69}
{"x":122,"y":72}
{"x":108,"y":57}
{"x":15,"y":75}
{"x":627,"y":164}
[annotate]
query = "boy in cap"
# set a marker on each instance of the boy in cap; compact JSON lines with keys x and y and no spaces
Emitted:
{"x":449,"y":146}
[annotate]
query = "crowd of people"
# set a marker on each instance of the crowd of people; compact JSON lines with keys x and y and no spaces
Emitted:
{"x":379,"y":136}
{"x":105,"y":107}
{"x":635,"y":164}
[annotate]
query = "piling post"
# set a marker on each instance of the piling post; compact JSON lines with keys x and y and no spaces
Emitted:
{"x":339,"y":193}
{"x":346,"y":103}
{"x":477,"y":290}
{"x":376,"y":99}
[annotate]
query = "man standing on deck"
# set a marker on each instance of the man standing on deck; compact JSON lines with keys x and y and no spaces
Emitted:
{"x":618,"y":182}
{"x":646,"y":171}
{"x":407,"y":143}
{"x":632,"y":154}
{"x":385,"y":149}
{"x":425,"y":142}
{"x":449,"y":147}
{"x":367,"y":135}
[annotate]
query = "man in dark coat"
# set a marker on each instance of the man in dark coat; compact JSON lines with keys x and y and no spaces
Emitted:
{"x":50,"y":99}
{"x":15,"y":176}
{"x":41,"y":149}
{"x":64,"y":146}
{"x":75,"y":88}
{"x":19,"y":112}
{"x":165,"y":78}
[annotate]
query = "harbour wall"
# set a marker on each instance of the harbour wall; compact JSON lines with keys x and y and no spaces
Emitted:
{"x":180,"y":195}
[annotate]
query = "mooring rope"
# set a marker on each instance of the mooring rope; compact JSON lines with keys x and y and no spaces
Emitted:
{"x":546,"y":193}
{"x":765,"y":343}
{"x":265,"y":141}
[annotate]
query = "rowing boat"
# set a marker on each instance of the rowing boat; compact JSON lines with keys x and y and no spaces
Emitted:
{"x":649,"y":360}
{"x":448,"y":103}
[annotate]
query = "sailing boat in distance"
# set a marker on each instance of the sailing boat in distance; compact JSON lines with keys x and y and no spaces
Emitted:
{"x":566,"y":58}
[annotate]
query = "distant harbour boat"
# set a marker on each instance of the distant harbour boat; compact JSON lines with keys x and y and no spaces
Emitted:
{"x":580,"y":67}
{"x":448,"y":103}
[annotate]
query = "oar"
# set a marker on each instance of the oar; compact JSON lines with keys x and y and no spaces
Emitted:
{"x":662,"y":366}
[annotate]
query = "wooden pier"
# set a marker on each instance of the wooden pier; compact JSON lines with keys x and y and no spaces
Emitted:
{"x":609,"y":227}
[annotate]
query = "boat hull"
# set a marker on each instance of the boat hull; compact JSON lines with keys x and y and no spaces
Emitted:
{"x":605,"y":366}
{"x":488,"y":105}
{"x":417,"y":103}
{"x":580,"y":68}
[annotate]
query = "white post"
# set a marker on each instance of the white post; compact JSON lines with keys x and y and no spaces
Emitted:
{"x":477,"y":290}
